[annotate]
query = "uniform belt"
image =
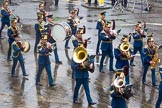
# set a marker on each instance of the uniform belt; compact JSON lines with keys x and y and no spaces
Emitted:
{"x":138,"y":39}
{"x":123,"y":58}
{"x":107,"y":41}
{"x":44,"y":54}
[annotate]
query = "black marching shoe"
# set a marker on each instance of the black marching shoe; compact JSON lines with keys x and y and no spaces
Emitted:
{"x":59,"y":62}
{"x":102,"y":71}
{"x":14,"y":75}
{"x":76,"y":102}
{"x":38,"y":84}
{"x":67,"y":47}
{"x":52,"y":85}
{"x":25,"y":75}
{"x":1,"y":37}
{"x":9,"y":59}
{"x":112,"y":70}
{"x":154,"y":85}
{"x":92,"y":103}
{"x":132,"y":64}
{"x":144,"y":83}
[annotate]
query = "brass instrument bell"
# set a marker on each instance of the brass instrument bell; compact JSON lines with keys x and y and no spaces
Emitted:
{"x":80,"y":54}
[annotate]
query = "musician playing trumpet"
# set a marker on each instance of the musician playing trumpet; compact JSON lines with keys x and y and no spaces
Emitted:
{"x":150,"y":53}
{"x":123,"y":54}
{"x":138,"y":36}
{"x":5,"y":20}
{"x":17,"y":56}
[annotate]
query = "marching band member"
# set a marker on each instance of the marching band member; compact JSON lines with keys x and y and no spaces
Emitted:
{"x":73,"y":26}
{"x":44,"y":49}
{"x":99,"y":26}
{"x":41,"y":11}
{"x":13,"y":30}
{"x":159,"y":100}
{"x":82,"y":78}
{"x":138,"y":36}
{"x":107,"y":36}
{"x":50,"y":38}
{"x":17,"y":56}
{"x":150,"y":51}
{"x":118,"y":91}
{"x":39,"y":29}
{"x":123,"y":57}
{"x":79,"y":40}
{"x":5,"y":20}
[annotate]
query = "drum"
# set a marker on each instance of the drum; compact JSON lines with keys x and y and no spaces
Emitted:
{"x":26,"y":45}
{"x":61,"y":31}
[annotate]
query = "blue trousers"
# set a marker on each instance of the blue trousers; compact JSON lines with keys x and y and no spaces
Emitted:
{"x":9,"y":51}
{"x":104,"y":54}
{"x":159,"y":100}
{"x":15,"y":60}
{"x":56,"y":55}
{"x":36,"y":44}
{"x":48,"y":69}
{"x":135,"y":52}
{"x":67,"y":42}
{"x":79,"y":82}
{"x":98,"y":46}
{"x":145,"y":72}
{"x":2,"y":27}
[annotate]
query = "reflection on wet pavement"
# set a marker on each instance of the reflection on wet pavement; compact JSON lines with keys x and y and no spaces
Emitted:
{"x":21,"y":92}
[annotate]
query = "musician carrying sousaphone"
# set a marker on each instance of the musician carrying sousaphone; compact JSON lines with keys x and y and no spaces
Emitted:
{"x":81,"y":63}
{"x":119,"y":91}
{"x":150,"y":59}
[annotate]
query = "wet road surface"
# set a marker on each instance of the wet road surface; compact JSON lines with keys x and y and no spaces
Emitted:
{"x":22,"y":92}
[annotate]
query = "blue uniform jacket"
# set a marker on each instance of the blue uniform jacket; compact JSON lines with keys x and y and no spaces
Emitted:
{"x":11,"y":33}
{"x":120,"y":60}
{"x":16,"y":51}
{"x":160,"y":86}
{"x":148,"y":56}
{"x":76,"y":43}
{"x":5,"y":16}
{"x":107,"y":39}
{"x":79,"y":72}
{"x":37,"y":31}
{"x":118,"y":100}
{"x":71,"y":24}
{"x":138,"y":40}
{"x":43,"y":54}
{"x":99,"y":25}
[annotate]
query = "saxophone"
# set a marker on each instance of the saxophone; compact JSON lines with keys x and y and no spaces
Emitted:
{"x":155,"y":59}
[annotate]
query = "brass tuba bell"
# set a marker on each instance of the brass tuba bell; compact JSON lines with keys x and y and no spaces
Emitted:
{"x":119,"y":82}
{"x":124,"y":47}
{"x":80,"y":54}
